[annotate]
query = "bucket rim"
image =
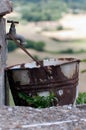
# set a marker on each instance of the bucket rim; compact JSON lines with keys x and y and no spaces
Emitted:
{"x":22,"y":65}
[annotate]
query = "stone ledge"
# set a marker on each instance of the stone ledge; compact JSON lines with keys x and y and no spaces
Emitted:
{"x":54,"y":118}
{"x":5,"y":7}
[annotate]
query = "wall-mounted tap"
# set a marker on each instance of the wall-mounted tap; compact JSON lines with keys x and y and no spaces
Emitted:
{"x":12,"y":31}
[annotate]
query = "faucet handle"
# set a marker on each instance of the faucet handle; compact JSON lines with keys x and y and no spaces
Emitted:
{"x":11,"y":21}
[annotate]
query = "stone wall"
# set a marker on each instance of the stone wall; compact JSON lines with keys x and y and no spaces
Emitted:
{"x":54,"y":118}
{"x":5,"y":8}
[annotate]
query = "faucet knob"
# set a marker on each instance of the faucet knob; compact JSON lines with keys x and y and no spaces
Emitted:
{"x":11,"y":21}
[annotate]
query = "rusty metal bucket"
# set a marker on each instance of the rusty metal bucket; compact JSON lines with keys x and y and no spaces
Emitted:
{"x":60,"y":76}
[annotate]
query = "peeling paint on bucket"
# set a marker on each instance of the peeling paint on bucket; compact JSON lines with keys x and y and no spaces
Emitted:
{"x":58,"y":75}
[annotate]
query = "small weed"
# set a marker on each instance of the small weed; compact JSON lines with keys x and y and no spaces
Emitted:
{"x":39,"y":101}
{"x":81,"y":98}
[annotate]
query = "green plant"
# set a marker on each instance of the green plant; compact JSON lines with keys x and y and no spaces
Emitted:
{"x":40,"y":10}
{"x":11,"y":46}
{"x":30,"y":44}
{"x":81,"y":98}
{"x":67,"y":51}
{"x":84,"y":61}
{"x":39,"y":101}
{"x":36,"y":57}
{"x":60,"y":27}
{"x":83,"y":71}
{"x":39,"y":46}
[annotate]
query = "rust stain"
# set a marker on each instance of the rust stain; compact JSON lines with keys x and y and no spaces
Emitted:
{"x":53,"y":79}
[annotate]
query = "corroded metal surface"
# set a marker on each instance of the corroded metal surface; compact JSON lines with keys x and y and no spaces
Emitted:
{"x":57,"y":75}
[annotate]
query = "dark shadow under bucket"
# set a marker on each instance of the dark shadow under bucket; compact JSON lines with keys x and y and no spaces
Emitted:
{"x":59,"y":76}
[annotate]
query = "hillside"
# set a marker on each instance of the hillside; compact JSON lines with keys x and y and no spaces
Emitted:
{"x":47,"y":10}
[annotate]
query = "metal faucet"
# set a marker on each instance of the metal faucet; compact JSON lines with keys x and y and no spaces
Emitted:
{"x":12,"y":31}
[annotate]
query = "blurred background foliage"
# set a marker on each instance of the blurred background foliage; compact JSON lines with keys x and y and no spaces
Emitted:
{"x":45,"y":10}
{"x":39,"y":46}
{"x":41,"y":10}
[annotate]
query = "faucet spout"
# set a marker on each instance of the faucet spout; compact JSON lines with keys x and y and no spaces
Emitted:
{"x":20,"y":38}
{"x":12,"y":31}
